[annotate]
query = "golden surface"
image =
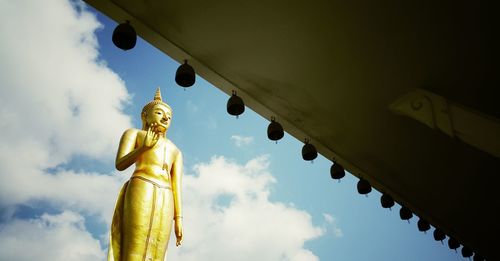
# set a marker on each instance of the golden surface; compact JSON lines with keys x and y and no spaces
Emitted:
{"x":151,"y":199}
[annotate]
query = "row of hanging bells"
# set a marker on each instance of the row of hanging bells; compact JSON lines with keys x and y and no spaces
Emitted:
{"x":125,"y":38}
{"x":423,"y":225}
{"x":363,"y":186}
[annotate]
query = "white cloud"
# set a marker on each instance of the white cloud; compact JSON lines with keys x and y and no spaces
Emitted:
{"x":50,"y":237}
{"x":240,"y":141}
{"x":244,"y":226}
{"x":57,"y":101}
{"x":332,"y":225}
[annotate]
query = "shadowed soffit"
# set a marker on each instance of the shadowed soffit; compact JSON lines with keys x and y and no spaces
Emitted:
{"x":399,"y":92}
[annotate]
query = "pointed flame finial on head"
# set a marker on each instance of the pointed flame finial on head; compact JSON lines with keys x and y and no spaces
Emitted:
{"x":157,"y":94}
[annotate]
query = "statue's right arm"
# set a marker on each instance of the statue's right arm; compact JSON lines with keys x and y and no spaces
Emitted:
{"x":127,"y":152}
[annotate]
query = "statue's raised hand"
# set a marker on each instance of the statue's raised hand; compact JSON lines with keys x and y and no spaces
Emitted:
{"x":151,"y":137}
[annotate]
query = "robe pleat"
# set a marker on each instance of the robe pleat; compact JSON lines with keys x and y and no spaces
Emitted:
{"x":142,"y":222}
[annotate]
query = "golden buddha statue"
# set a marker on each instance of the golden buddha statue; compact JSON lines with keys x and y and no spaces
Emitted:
{"x":151,"y":199}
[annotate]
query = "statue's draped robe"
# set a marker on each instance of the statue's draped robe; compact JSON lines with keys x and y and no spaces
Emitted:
{"x":142,"y":221}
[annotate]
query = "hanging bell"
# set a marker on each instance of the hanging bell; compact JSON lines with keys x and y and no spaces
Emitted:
{"x":337,"y":171}
{"x":423,"y":225}
{"x":185,"y":76}
{"x":466,"y":252}
{"x":275,"y":130}
{"x":453,"y":243}
{"x":386,"y":201}
{"x":235,"y":105}
{"x":405,"y":213}
{"x":309,"y":151}
{"x":439,"y":235}
{"x":124,"y":36}
{"x":364,"y":187}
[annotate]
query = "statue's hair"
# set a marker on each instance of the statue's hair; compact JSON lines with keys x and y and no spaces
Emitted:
{"x":150,"y":105}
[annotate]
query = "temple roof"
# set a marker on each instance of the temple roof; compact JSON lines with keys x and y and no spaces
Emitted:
{"x":398,"y":92}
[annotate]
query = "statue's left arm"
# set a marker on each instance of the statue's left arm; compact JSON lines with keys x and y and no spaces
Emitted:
{"x":177,"y":170}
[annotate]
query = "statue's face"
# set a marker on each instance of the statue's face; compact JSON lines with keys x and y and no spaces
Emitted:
{"x":160,"y":115}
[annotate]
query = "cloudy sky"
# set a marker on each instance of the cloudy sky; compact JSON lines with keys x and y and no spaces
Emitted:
{"x":66,"y":96}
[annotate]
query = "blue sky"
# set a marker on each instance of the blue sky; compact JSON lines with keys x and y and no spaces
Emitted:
{"x":67,"y":93}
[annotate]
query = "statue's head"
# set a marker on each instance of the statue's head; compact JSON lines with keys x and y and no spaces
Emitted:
{"x":156,"y":112}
